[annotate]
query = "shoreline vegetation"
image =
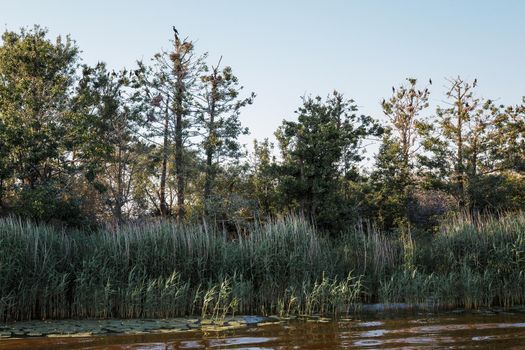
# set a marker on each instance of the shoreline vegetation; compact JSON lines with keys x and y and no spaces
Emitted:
{"x":129,"y":195}
{"x":284,"y":268}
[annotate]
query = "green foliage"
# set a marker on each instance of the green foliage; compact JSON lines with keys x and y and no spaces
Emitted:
{"x":457,"y":145}
{"x":217,"y":121}
{"x":263,"y":179}
{"x":319,"y":151}
{"x":389,"y":182}
{"x":507,"y":144}
{"x":48,"y":204}
{"x":37,"y":76}
{"x":81,"y":143}
{"x":218,"y":114}
{"x":392,"y":179}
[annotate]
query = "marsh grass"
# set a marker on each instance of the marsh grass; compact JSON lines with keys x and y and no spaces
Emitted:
{"x":283,"y":267}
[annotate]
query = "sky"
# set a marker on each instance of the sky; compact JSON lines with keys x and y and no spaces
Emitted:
{"x":282,"y":50}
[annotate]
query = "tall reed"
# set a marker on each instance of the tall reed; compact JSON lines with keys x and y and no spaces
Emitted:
{"x":281,"y":267}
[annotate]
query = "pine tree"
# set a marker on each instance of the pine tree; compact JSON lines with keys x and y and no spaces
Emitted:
{"x":218,"y":107}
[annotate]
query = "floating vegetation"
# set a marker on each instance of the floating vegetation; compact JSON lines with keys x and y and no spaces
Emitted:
{"x":82,"y":328}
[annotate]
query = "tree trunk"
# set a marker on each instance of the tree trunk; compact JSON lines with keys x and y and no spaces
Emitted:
{"x":164,"y":166}
{"x":119,"y":196}
{"x":210,"y":147}
{"x":459,"y":154}
{"x":209,"y":175}
{"x":179,"y":164}
{"x":473,"y":171}
{"x":180,"y":72}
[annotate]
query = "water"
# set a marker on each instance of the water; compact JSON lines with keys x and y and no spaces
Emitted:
{"x":448,"y":331}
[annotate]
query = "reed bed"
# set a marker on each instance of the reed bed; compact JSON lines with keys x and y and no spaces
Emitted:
{"x":283,"y":267}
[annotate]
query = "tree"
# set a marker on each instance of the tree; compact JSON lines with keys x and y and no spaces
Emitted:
{"x":37,"y":77}
{"x":169,"y":85}
{"x":508,"y":139}
{"x":218,"y":107}
{"x":458,"y":143}
{"x":389,"y":185}
{"x":157,"y":98}
{"x":318,"y":150}
{"x":106,"y":134}
{"x":263,"y":178}
{"x":400,"y":146}
{"x":182,"y":60}
{"x":402,"y":110}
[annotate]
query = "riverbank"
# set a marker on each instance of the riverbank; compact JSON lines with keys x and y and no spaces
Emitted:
{"x":285,"y":268}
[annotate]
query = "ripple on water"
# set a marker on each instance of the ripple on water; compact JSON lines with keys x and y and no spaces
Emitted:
{"x":374,"y":333}
{"x":368,"y":342}
{"x":483,"y":338}
{"x":238,"y":341}
{"x":370,"y":324}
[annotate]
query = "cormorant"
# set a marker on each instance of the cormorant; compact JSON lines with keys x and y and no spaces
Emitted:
{"x":175,"y":30}
{"x":430,"y":81}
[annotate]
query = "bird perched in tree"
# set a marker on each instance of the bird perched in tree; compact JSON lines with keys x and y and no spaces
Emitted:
{"x":393,"y":89}
{"x":175,"y":30}
{"x":430,"y":81}
{"x":475,"y":82}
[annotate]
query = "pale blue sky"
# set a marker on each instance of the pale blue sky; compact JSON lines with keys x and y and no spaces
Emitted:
{"x":284,"y":49}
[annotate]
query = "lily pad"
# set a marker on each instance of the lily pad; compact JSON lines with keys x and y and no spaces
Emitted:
{"x":5,"y":334}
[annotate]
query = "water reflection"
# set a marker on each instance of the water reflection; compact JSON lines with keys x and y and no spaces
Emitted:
{"x":370,"y":324}
{"x":238,"y":341}
{"x":417,"y":332}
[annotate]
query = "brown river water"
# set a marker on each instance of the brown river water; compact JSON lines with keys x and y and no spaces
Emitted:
{"x":447,"y":331}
